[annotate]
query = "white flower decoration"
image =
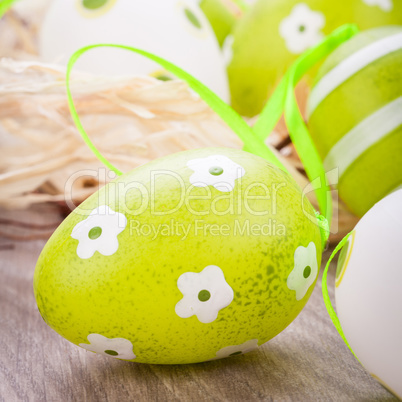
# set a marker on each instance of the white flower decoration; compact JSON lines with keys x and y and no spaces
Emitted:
{"x":301,"y":29}
{"x":385,"y":5}
{"x":237,"y":349}
{"x":204,"y":294}
{"x":305,"y":271}
{"x":119,"y":348}
{"x":99,"y":232}
{"x":215,"y":170}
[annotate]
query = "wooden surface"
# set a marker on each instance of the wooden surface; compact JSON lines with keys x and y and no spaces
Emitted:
{"x":308,"y":361}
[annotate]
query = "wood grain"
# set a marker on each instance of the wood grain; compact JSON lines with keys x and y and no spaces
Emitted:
{"x":308,"y":361}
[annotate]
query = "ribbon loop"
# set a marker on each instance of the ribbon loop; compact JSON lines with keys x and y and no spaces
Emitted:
{"x":283,"y":101}
{"x":251,"y":142}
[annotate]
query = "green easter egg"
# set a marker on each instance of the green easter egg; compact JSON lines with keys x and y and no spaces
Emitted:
{"x":222,"y":16}
{"x":355,"y":116}
{"x":197,"y":256}
{"x":272,"y":34}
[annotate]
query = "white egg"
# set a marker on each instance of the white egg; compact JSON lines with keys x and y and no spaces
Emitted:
{"x":369,"y":291}
{"x":176,"y":30}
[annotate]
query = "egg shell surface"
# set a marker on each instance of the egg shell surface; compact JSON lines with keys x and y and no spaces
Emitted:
{"x":365,"y":144}
{"x":141,"y":289}
{"x":176,"y":30}
{"x":367,"y":291}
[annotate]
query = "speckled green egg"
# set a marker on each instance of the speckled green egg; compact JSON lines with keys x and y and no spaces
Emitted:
{"x":200,"y":255}
{"x":273,"y":33}
{"x":355,"y":116}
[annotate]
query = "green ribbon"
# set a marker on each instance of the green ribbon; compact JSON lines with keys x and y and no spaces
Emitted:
{"x":327,"y":300}
{"x":250,"y":140}
{"x":283,"y":101}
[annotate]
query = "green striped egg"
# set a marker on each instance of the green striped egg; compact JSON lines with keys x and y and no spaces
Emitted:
{"x":355,"y":116}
